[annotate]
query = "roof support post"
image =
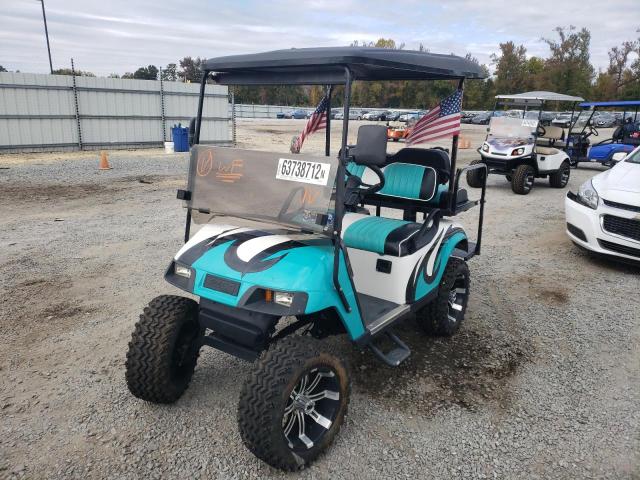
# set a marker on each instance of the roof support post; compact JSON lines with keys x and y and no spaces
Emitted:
{"x":327,"y":139}
{"x":203,"y":84}
{"x":340,"y":192}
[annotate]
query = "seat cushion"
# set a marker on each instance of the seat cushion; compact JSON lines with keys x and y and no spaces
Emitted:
{"x":546,"y":151}
{"x":386,"y":236}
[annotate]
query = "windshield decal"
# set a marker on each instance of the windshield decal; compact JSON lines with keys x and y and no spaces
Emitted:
{"x":304,"y":171}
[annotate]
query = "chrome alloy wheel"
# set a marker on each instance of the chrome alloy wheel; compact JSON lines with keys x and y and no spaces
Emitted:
{"x":311,"y":408}
{"x":458,"y":298}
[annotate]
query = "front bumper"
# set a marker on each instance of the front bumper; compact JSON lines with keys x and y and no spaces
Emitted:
{"x":584,"y":227}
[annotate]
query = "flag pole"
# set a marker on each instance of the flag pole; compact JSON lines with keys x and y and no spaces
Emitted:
{"x":454,"y":158}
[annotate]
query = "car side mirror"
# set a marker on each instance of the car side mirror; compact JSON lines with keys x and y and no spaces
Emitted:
{"x":192,"y":131}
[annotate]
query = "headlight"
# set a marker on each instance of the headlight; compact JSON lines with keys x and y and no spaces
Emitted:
{"x":588,"y":195}
{"x":517,"y":151}
{"x":182,"y":271}
{"x":485,"y":147}
{"x":283,"y":298}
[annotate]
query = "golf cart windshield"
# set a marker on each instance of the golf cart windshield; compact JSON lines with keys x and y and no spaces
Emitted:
{"x":582,"y":120}
{"x":508,"y":127}
{"x":290,"y":190}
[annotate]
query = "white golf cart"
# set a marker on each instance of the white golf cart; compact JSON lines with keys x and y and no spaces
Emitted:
{"x":521,"y":148}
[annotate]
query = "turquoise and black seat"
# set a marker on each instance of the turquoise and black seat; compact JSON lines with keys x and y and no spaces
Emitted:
{"x":386,"y":236}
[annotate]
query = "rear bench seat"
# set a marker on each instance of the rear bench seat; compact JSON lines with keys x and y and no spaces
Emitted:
{"x":413,"y":181}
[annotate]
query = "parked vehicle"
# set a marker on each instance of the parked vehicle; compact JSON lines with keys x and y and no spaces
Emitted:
{"x":603,"y":215}
{"x":320,"y":261}
{"x":545,"y":117}
{"x":521,"y":149}
{"x":467,"y":116}
{"x":563,"y":120}
{"x":481,"y":118}
{"x":405,"y":117}
{"x":375,"y":115}
{"x":296,"y":114}
{"x":353,"y":115}
{"x":606,"y":120}
{"x":391,"y":116}
{"x":625,"y":138}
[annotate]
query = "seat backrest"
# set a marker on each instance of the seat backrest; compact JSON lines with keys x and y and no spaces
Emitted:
{"x":402,"y":180}
{"x":426,"y":157}
{"x":552,"y":132}
{"x":405,"y":180}
{"x":371,"y":146}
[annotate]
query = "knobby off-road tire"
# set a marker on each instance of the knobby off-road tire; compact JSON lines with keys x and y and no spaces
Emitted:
{"x":164,"y":349}
{"x":475,"y":178}
{"x":560,"y":178}
{"x":444,"y":315}
{"x":275,"y":387}
{"x":523,"y":179}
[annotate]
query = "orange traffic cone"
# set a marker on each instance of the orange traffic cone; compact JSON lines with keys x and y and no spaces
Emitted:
{"x":104,"y":161}
{"x":464,"y":143}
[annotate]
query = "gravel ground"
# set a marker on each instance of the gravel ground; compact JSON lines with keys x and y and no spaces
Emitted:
{"x":542,"y":381}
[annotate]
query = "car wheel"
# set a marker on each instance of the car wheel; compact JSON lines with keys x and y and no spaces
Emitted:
{"x":444,"y":315}
{"x":560,"y":178}
{"x":475,"y":178}
{"x":163,"y":350}
{"x":293,"y":403}
{"x":523,"y":179}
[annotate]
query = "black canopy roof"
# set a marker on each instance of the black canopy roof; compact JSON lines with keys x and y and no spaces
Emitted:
{"x":326,"y":66}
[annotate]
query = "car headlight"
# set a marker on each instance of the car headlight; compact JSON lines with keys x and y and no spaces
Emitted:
{"x":588,"y":195}
{"x":517,"y":151}
{"x":485,"y":147}
{"x":182,"y":271}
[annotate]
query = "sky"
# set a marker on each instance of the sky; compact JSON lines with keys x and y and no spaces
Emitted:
{"x":117,"y":36}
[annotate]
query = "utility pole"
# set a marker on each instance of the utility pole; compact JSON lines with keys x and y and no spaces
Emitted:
{"x":46,"y":32}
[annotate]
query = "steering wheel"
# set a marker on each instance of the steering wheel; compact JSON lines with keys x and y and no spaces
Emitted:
{"x":541,"y":131}
{"x":355,"y":182}
{"x":593,"y":131}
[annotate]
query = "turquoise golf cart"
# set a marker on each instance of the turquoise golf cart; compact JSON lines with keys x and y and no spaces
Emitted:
{"x":294,"y":248}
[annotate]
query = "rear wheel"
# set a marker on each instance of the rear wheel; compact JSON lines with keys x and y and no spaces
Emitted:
{"x":293,"y":403}
{"x":163,"y":350}
{"x":444,"y":315}
{"x":523,"y":178}
{"x":560,"y":178}
{"x":475,"y":178}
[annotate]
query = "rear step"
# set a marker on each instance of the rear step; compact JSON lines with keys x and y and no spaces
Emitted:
{"x":394,"y":357}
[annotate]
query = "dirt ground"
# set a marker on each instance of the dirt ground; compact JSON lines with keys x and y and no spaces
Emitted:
{"x":542,"y":381}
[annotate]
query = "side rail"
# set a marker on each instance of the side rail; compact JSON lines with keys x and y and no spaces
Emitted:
{"x":459,"y":173}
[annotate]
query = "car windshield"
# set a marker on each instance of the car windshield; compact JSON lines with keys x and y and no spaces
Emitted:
{"x":634,"y":157}
{"x":286,"y":189}
{"x":507,"y":127}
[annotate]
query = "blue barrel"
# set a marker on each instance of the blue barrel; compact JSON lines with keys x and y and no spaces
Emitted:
{"x":180,"y":137}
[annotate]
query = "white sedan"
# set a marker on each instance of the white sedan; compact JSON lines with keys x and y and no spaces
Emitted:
{"x":604,"y":216}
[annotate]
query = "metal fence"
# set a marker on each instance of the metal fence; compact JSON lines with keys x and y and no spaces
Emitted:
{"x":61,"y":112}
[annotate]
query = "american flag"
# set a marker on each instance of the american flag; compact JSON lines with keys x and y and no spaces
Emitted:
{"x":318,"y":121}
{"x":441,"y":122}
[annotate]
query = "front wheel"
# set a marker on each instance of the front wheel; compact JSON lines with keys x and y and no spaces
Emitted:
{"x":444,"y":315}
{"x":163,"y":350}
{"x":293,"y":403}
{"x":475,"y":178}
{"x":522,"y":180}
{"x":560,"y":178}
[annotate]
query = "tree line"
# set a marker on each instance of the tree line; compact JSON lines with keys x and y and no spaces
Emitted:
{"x":566,"y":69}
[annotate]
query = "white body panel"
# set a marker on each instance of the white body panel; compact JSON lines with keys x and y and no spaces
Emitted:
{"x":390,"y":286}
{"x":621,"y":184}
